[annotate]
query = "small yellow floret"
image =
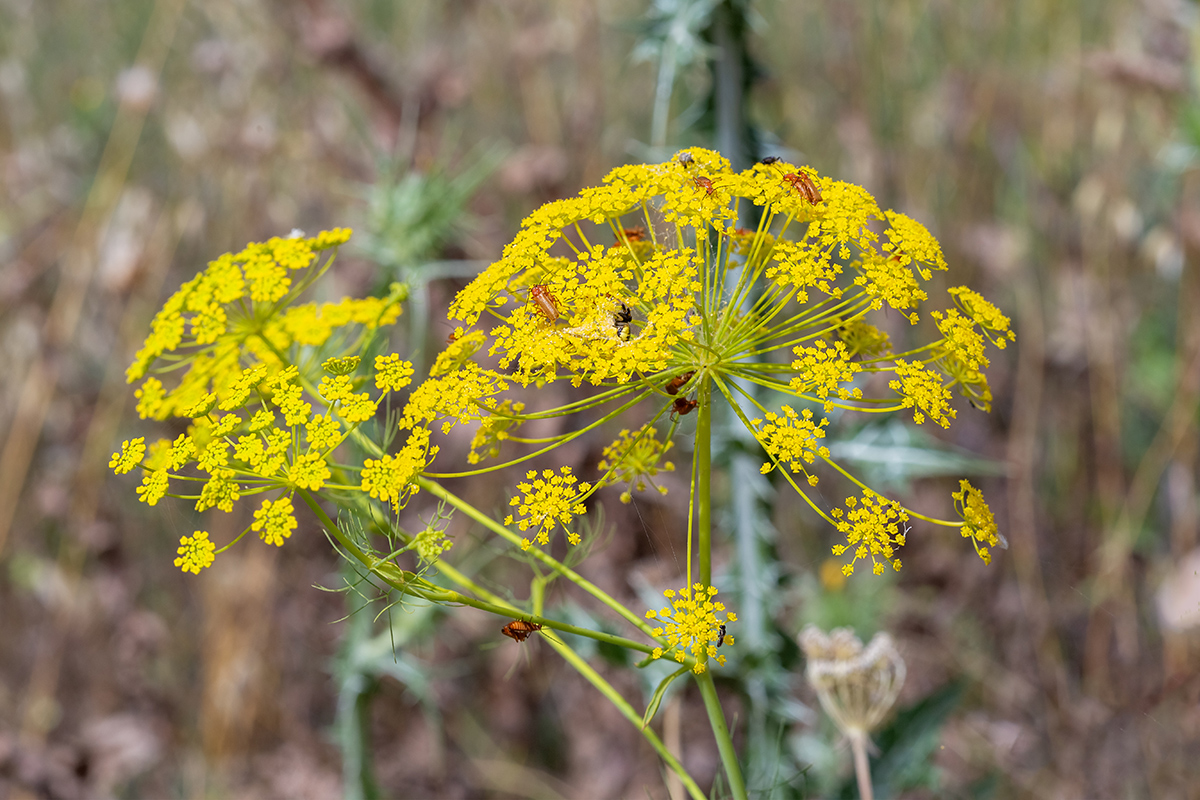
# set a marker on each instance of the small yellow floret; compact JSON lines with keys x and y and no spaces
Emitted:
{"x":195,"y":552}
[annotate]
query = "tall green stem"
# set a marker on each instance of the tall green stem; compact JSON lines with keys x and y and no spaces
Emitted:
{"x":716,"y":718}
{"x":708,"y":690}
{"x":498,"y":606}
{"x":703,"y":456}
{"x":627,"y":711}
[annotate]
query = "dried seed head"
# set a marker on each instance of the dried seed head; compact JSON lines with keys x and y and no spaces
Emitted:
{"x":856,"y":685}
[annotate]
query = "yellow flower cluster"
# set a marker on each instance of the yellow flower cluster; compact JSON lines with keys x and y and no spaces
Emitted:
{"x":634,"y":459}
{"x":545,"y":502}
{"x":390,"y":478}
{"x":922,"y":390}
{"x":691,"y":623}
{"x":872,"y":526}
{"x":647,"y":277}
{"x":642,"y":288}
{"x":275,"y":520}
{"x":978,"y":523}
{"x":237,"y":329}
{"x":494,"y":429}
{"x":242,"y":308}
{"x":195,"y":552}
{"x":793,"y":439}
{"x":822,"y":369}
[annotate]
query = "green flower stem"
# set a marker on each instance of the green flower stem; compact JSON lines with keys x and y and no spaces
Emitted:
{"x":497,"y":605}
{"x":703,"y":461}
{"x":774,"y":458}
{"x":628,"y":711}
{"x":716,"y":718}
{"x":595,"y":591}
{"x":396,"y":578}
{"x":410,"y":583}
{"x":943,"y":522}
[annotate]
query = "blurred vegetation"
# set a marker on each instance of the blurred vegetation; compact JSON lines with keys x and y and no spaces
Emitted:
{"x":1051,"y":147}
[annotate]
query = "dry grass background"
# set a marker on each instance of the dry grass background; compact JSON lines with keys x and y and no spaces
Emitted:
{"x":1045,"y":143}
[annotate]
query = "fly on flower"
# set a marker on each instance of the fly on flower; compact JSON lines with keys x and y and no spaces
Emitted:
{"x":520,"y":629}
{"x":622,"y":320}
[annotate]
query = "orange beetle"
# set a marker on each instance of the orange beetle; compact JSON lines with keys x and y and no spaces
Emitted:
{"x":675,"y":384}
{"x":803,"y":184}
{"x":683,"y":406}
{"x":546,"y":303}
{"x":520,"y":630}
{"x":704,"y":183}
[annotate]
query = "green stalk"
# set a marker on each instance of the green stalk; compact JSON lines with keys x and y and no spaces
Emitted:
{"x":385,"y":569}
{"x":716,"y":718}
{"x":703,"y":460}
{"x":438,"y":491}
{"x":628,"y":711}
{"x":400,"y":580}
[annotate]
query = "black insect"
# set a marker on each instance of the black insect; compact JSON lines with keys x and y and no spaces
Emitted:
{"x":622,"y":318}
{"x":770,"y":160}
{"x":721,"y":635}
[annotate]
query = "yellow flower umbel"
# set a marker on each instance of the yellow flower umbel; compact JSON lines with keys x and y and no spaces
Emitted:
{"x":547,"y":501}
{"x":978,"y":523}
{"x":634,"y":459}
{"x":195,"y":552}
{"x":258,"y":423}
{"x":691,"y":623}
{"x":647,"y":290}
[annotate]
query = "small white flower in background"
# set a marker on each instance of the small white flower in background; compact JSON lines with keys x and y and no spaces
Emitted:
{"x":137,"y":88}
